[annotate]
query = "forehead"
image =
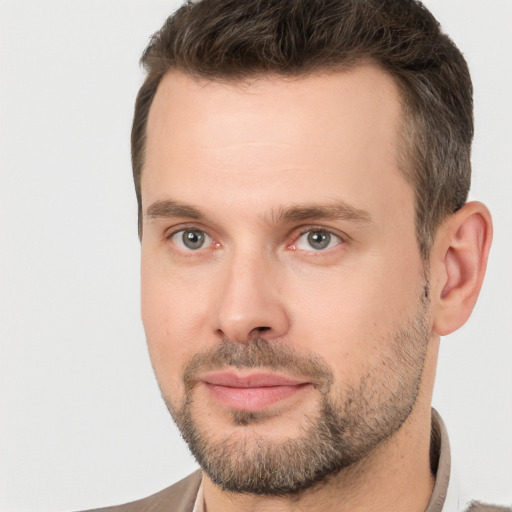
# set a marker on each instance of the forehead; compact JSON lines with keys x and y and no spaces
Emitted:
{"x":302,"y":135}
{"x":323,"y":101}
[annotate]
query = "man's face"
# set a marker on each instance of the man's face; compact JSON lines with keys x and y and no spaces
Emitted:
{"x":283,"y":295}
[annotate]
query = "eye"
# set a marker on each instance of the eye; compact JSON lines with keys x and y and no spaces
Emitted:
{"x":191,"y":239}
{"x":316,"y":240}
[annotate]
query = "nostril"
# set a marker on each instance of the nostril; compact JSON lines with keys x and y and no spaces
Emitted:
{"x":257,"y":332}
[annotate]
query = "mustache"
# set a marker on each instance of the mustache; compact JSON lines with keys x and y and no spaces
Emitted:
{"x":259,"y":353}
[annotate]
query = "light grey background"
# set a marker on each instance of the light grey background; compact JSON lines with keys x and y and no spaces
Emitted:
{"x":82,"y":424}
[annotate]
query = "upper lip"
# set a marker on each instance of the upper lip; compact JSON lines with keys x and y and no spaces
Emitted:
{"x":252,"y":380}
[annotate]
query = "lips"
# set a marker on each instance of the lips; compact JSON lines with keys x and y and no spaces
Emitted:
{"x":251,"y":392}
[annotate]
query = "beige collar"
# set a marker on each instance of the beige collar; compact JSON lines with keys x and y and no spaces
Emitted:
{"x":444,"y":495}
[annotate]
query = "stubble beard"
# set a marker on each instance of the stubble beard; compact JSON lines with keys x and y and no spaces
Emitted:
{"x":349,"y":423}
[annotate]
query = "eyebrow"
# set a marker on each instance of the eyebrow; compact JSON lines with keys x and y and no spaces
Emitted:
{"x":337,"y":210}
{"x":169,"y":208}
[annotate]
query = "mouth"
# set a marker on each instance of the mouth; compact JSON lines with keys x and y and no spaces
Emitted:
{"x":251,"y":392}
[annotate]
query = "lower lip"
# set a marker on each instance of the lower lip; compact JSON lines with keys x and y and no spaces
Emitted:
{"x":253,"y":399}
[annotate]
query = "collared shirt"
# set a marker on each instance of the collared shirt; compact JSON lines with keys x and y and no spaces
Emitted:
{"x":199,"y":503}
{"x":444,"y":495}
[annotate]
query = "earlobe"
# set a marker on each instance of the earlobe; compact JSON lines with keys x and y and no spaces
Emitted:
{"x":459,"y":259}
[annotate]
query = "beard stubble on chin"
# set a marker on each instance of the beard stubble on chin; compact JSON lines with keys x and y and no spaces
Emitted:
{"x":349,"y":423}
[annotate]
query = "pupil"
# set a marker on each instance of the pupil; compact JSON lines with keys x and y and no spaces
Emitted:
{"x":319,"y":240}
{"x":193,"y":239}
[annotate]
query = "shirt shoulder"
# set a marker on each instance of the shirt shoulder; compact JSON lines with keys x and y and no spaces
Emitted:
{"x":179,"y":497}
{"x":477,"y":506}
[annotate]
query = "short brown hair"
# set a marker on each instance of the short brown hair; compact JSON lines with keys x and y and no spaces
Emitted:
{"x":238,"y":39}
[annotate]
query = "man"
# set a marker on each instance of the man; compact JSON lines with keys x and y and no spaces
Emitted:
{"x":302,"y":170}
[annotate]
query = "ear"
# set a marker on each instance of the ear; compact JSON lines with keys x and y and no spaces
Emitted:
{"x":458,"y":261}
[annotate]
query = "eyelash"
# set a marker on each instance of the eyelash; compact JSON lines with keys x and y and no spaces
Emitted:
{"x":168,"y":236}
{"x":317,"y":229}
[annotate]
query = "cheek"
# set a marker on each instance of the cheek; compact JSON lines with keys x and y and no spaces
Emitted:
{"x":350,"y":316}
{"x":170,"y":322}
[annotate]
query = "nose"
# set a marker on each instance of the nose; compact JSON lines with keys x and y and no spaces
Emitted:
{"x":251,"y":302}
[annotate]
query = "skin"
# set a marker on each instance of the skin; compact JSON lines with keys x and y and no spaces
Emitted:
{"x":242,"y":154}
